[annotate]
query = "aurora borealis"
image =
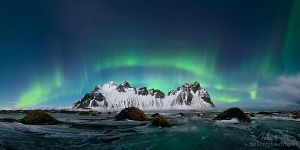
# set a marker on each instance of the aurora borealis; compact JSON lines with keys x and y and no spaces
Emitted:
{"x":245,"y":53}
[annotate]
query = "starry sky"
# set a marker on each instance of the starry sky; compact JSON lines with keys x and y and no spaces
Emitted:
{"x":245,"y":53}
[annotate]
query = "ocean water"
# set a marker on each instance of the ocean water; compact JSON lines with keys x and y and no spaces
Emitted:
{"x":194,"y":130}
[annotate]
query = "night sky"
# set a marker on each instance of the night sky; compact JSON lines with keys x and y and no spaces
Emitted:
{"x":244,"y":52}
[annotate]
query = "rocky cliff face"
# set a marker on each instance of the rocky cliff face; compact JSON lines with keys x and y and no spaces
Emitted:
{"x":112,"y":96}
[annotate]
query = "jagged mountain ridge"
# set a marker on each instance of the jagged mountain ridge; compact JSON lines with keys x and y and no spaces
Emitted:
{"x":113,"y":96}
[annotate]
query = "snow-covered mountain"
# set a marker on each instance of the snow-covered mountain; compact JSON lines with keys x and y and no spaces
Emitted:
{"x":112,"y":96}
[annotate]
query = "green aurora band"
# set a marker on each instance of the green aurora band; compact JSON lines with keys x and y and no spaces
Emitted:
{"x":199,"y":69}
{"x":291,"y":45}
{"x":41,"y":90}
{"x":202,"y":68}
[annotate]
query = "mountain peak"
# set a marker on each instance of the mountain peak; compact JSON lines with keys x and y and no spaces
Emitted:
{"x":110,"y":95}
{"x":125,"y":85}
{"x":111,"y":82}
{"x":196,"y":86}
{"x":143,"y":91}
{"x":156,"y":93}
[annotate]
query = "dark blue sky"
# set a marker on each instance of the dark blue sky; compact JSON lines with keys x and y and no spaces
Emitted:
{"x":244,"y":52}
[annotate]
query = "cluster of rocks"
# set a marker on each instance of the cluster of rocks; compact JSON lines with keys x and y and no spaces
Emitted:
{"x":296,"y":115}
{"x":231,"y":113}
{"x":245,"y":117}
{"x":133,"y":113}
{"x":41,"y":117}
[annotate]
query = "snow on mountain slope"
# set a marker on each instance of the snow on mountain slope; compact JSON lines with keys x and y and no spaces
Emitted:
{"x":112,"y":96}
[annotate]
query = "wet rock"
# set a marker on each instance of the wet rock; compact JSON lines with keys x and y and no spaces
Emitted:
{"x":39,"y":117}
{"x":51,"y":111}
{"x":13,"y":111}
{"x":4,"y":111}
{"x":154,"y":115}
{"x":296,"y":115}
{"x":265,"y":113}
{"x":131,"y":113}
{"x":65,"y":111}
{"x":181,"y":114}
{"x":88,"y":113}
{"x":250,"y":114}
{"x":233,"y":113}
{"x":159,"y":120}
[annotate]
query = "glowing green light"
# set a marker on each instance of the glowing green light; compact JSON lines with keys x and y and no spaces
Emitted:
{"x":201,"y":66}
{"x":226,"y":99}
{"x":252,"y":95}
{"x":34,"y":95}
{"x":291,"y":45}
{"x":41,"y":91}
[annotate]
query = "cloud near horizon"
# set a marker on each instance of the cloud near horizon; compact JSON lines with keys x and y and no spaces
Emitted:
{"x":286,"y":87}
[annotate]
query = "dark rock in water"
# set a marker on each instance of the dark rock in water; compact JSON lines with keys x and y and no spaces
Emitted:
{"x":13,"y":111}
{"x":154,"y":115}
{"x":88,"y":113}
{"x":265,"y":113}
{"x":181,"y":114}
{"x":296,"y":115}
{"x":131,"y":113}
{"x":250,"y":114}
{"x":8,"y":120}
{"x":39,"y":117}
{"x":4,"y":111}
{"x":233,"y":113}
{"x":109,"y":112}
{"x":65,"y":111}
{"x":159,"y":120}
{"x":198,"y":115}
